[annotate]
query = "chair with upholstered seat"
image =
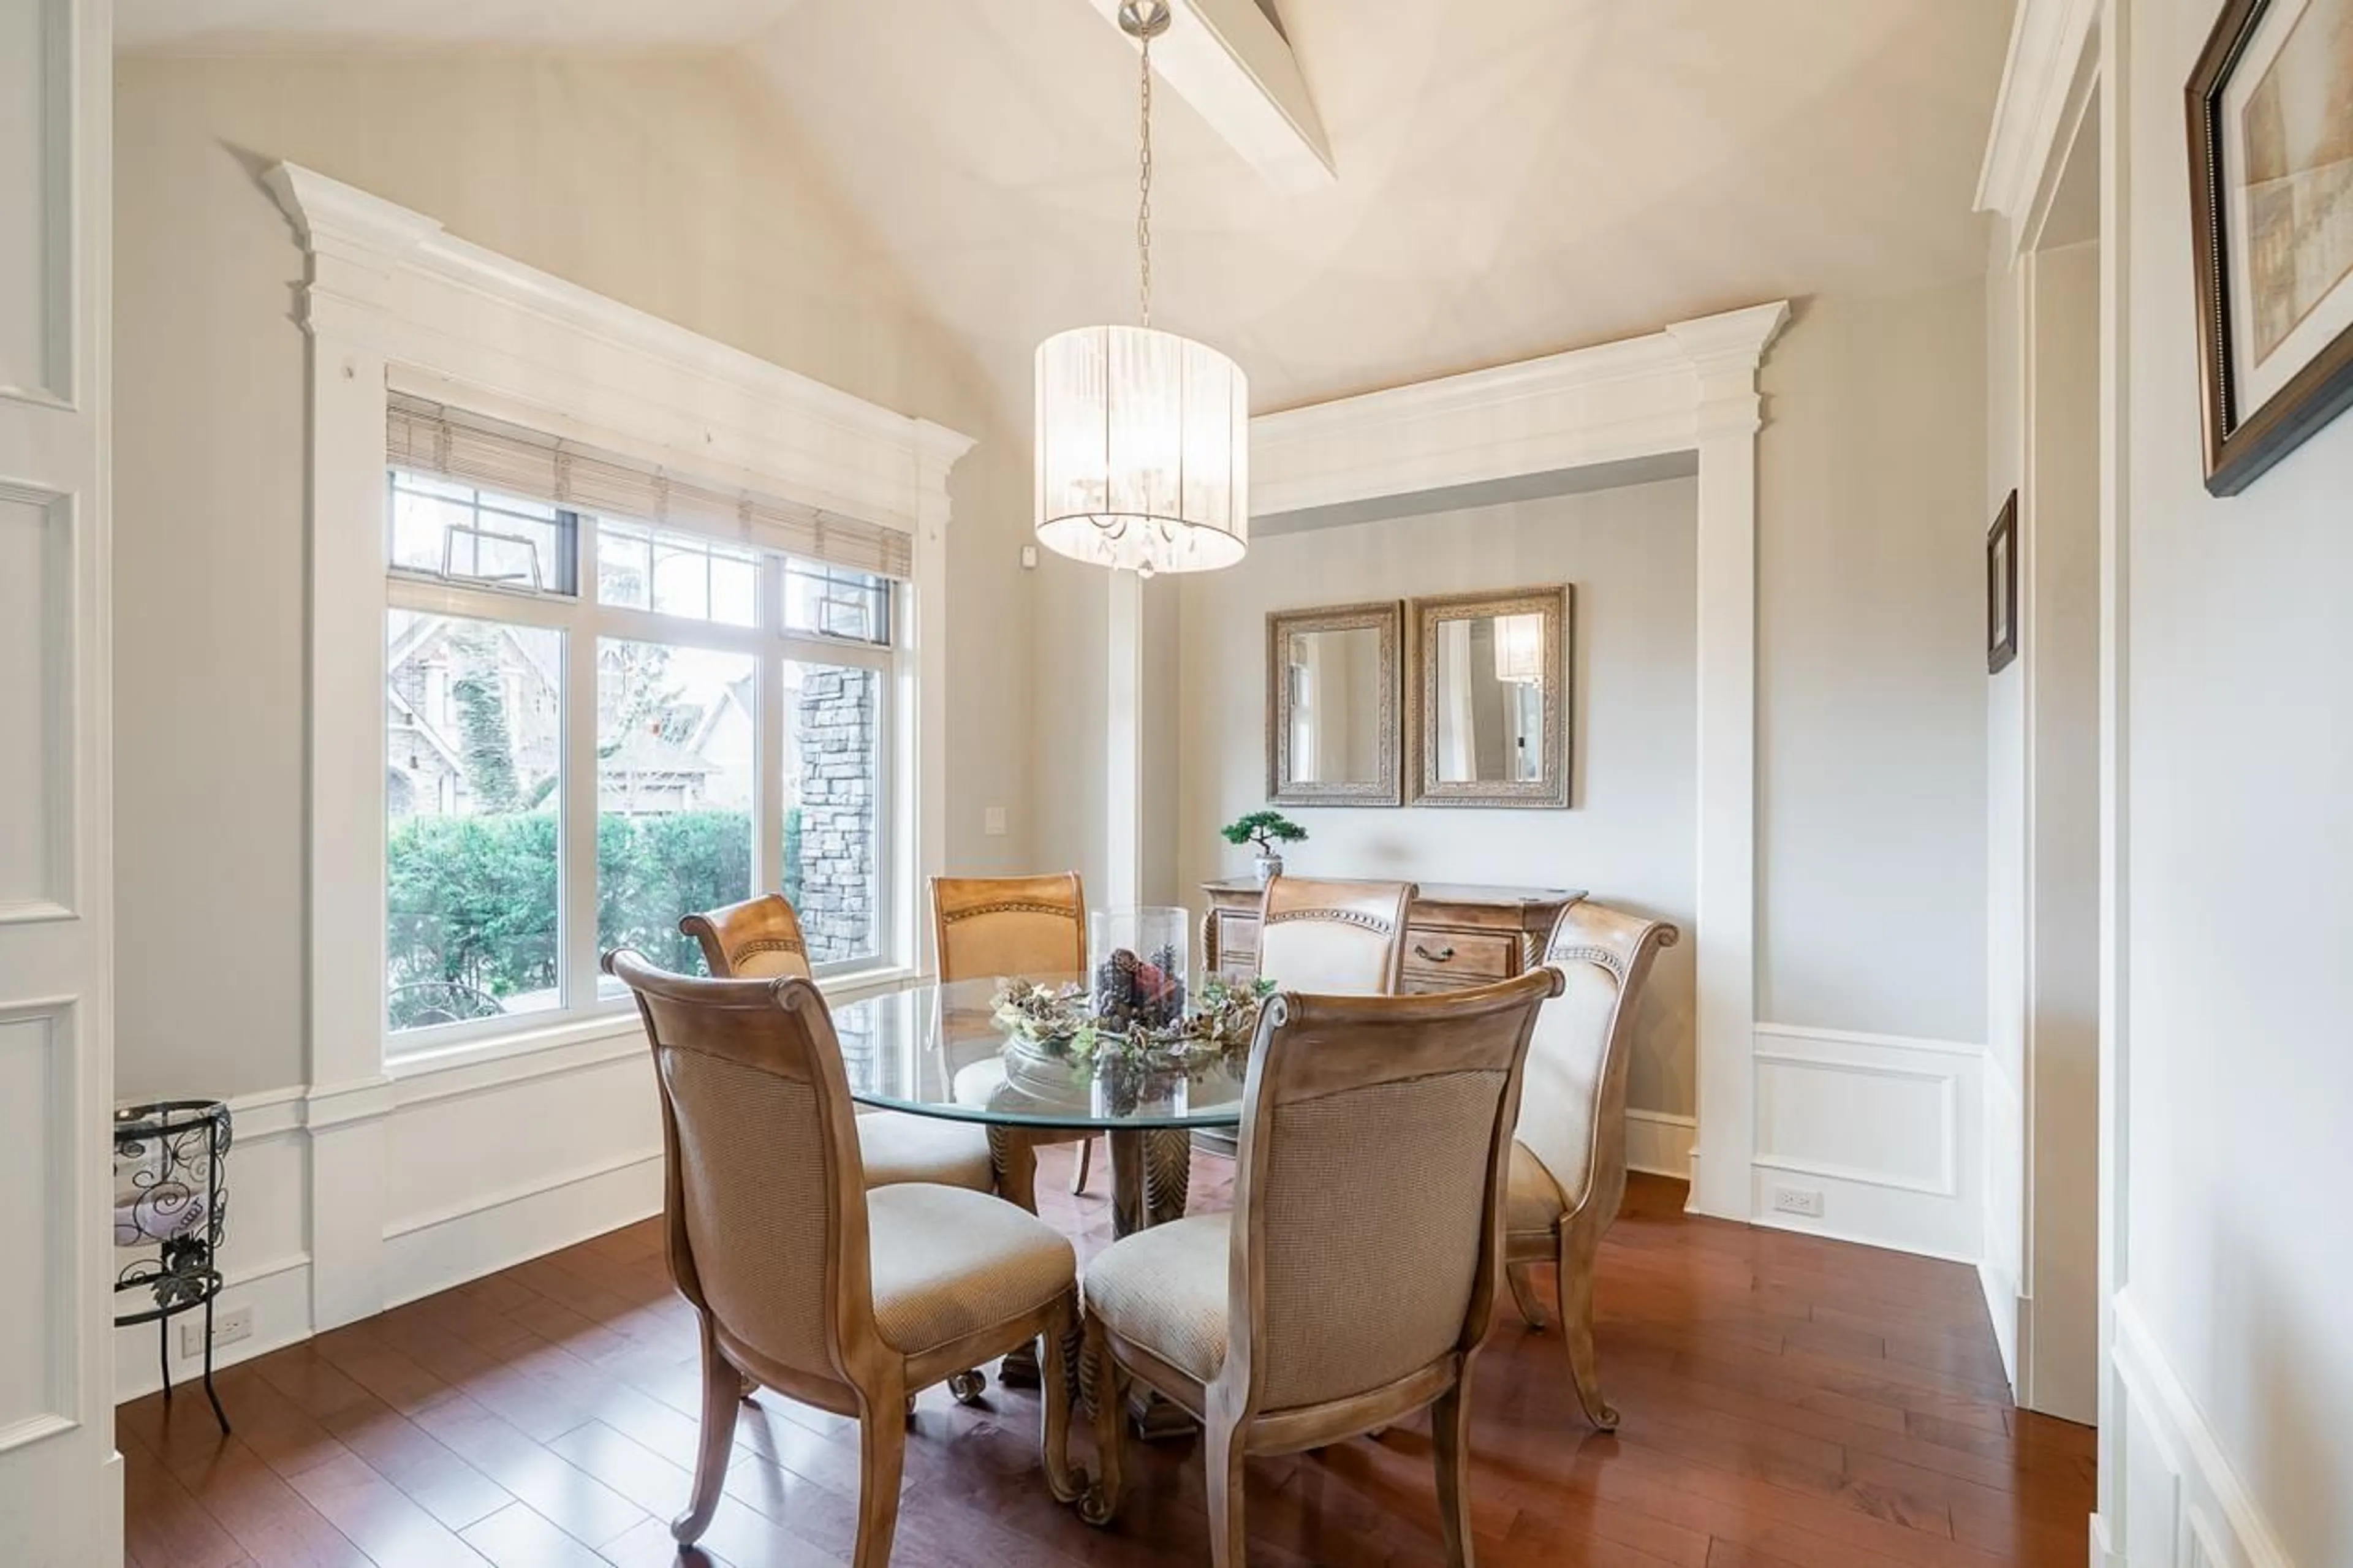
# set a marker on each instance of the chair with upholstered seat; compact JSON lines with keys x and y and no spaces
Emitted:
{"x":1354,"y":1279}
{"x":1005,"y":928}
{"x":1333,"y":938}
{"x":1568,"y":1154}
{"x":761,"y":939}
{"x":805,"y":1281}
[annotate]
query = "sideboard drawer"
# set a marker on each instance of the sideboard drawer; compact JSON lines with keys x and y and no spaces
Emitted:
{"x":1439,"y":958}
{"x":1231,"y":950}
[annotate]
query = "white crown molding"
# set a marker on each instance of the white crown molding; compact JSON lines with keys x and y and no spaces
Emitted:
{"x":1640,"y":397}
{"x":1226,"y":59}
{"x":394,"y":283}
{"x":2047,"y":40}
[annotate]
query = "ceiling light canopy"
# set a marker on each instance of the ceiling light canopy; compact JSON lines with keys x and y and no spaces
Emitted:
{"x":1142,"y":436}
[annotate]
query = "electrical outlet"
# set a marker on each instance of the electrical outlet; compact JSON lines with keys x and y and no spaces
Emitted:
{"x":992,"y":821}
{"x":1807,"y":1201}
{"x":228,"y":1327}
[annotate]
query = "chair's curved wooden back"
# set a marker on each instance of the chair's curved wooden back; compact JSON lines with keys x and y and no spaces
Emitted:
{"x":759,"y":939}
{"x":1002,"y":927}
{"x":1369,"y":1197}
{"x":766,"y":1205}
{"x":1573,"y":1110}
{"x":1333,"y":938}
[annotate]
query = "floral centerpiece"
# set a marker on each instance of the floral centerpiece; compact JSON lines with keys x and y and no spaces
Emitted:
{"x":1133,"y":1050}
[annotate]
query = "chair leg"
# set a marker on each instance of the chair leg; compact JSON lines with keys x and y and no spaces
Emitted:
{"x":1450,"y":1426}
{"x":722,"y":1387}
{"x":1577,"y":1332}
{"x":1086,"y":1163}
{"x":1226,"y":1548}
{"x":1055,"y":1439}
{"x":882,"y":1460}
{"x":1100,"y":1504}
{"x":1525,"y":1296}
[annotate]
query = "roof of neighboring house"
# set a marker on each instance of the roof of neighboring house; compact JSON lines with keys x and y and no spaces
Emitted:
{"x":643,"y":752}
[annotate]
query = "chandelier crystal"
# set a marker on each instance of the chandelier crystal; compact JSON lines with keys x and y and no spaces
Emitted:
{"x":1143,"y":436}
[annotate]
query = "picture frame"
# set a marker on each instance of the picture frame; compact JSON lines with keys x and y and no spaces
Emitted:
{"x":1333,"y":726}
{"x":2001,"y":588}
{"x":1489,"y":699}
{"x":2271,"y":167}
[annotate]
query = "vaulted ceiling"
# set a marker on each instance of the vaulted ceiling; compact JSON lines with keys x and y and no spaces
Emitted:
{"x":1515,"y":176}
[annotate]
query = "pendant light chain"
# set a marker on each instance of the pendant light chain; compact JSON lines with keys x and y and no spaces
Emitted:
{"x":1143,"y":193}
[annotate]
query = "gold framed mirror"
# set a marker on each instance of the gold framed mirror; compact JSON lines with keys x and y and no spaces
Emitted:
{"x":1334,"y":736}
{"x":1488,"y":705}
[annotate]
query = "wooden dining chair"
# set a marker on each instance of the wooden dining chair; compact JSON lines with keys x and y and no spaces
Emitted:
{"x":1035,"y":927}
{"x":803,"y":1280}
{"x":761,"y":939}
{"x":1354,"y":1279}
{"x":1568,"y":1153}
{"x":1335,"y":938}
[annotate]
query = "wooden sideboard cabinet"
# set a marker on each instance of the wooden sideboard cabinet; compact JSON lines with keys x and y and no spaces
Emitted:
{"x":1456,"y":934}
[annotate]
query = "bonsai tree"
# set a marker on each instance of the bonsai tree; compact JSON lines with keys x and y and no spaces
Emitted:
{"x":1266,"y":829}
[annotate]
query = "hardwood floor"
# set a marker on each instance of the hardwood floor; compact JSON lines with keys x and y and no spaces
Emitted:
{"x":1789,"y":1403}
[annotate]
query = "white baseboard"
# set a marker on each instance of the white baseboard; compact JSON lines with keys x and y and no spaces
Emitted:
{"x":434,"y":1252}
{"x":2002,"y":1306}
{"x":1659,"y":1143}
{"x":2186,"y":1506}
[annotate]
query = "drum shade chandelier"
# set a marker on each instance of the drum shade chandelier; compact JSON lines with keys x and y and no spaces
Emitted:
{"x":1143,"y":436}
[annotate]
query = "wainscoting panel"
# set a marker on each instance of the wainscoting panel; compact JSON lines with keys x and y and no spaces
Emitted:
{"x":2185,"y":1506}
{"x":1883,"y":1135}
{"x":38,"y":1300}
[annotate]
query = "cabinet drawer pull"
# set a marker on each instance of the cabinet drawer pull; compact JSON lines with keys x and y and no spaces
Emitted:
{"x":1441,"y":956}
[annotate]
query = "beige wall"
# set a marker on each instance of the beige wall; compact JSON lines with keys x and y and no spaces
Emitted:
{"x":669,"y":185}
{"x":1630,"y":836}
{"x":2240,"y":733}
{"x":1871,"y":707}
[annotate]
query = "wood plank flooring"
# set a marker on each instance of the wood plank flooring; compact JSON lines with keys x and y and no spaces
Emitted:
{"x":1789,"y":1403}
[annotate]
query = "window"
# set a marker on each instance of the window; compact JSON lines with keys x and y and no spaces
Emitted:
{"x":567,"y":773}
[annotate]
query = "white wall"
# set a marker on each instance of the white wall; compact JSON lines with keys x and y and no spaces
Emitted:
{"x":669,"y":185}
{"x":1629,"y":836}
{"x":1870,"y":667}
{"x":2238,"y":1255}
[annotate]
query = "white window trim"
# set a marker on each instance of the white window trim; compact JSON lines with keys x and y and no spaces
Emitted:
{"x":393,"y":301}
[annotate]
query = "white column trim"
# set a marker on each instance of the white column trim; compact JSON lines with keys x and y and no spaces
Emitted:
{"x":1691,"y":388}
{"x":390,"y":296}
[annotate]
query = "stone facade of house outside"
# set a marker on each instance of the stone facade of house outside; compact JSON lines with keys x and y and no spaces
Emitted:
{"x":837,"y":716}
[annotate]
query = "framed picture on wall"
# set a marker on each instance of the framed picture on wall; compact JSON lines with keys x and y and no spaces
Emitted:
{"x":2271,"y":165}
{"x":2001,"y":588}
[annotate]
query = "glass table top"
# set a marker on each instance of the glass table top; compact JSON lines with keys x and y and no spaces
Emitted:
{"x":938,"y":1050}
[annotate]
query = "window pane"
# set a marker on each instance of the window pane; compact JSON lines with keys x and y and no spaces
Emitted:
{"x":682,"y":580}
{"x":833,"y":776}
{"x":473,"y":758}
{"x":676,"y":749}
{"x":624,"y":566}
{"x":675,"y":574}
{"x":449,"y":531}
{"x":831,"y":601}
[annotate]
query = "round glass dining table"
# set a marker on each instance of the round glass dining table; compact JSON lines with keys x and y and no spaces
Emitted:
{"x":938,"y":1050}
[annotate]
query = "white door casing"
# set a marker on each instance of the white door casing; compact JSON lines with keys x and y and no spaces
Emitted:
{"x":60,"y":1482}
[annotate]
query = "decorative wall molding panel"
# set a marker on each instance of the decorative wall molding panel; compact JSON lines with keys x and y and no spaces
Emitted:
{"x":2184,"y":1504}
{"x":60,"y":1477}
{"x":1885,"y":1131}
